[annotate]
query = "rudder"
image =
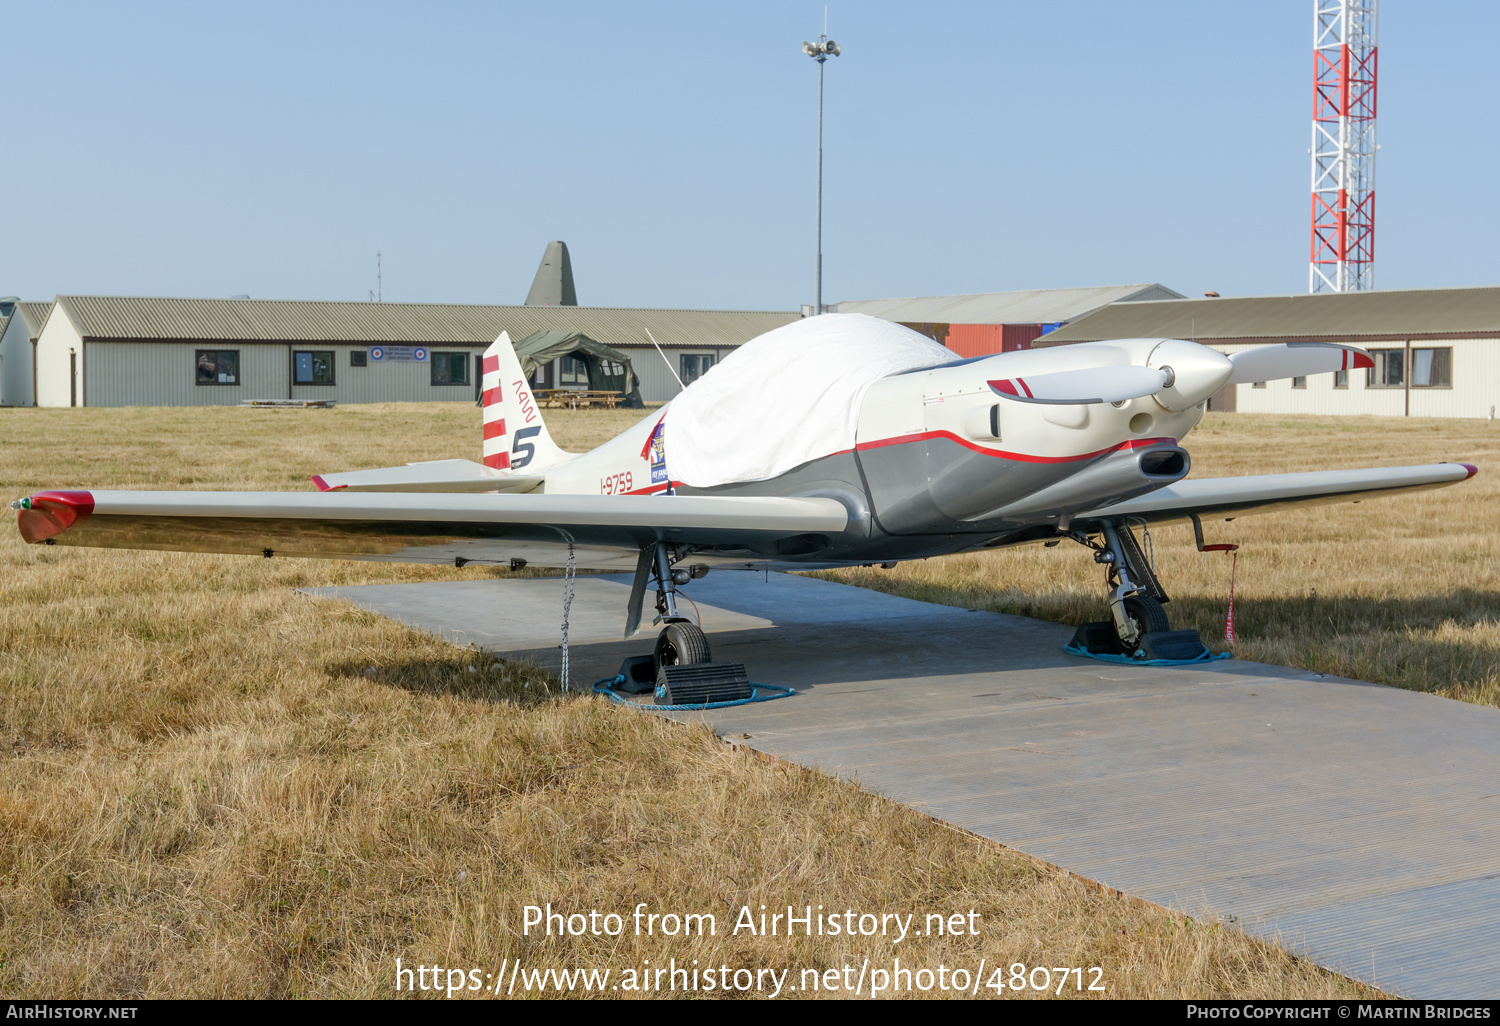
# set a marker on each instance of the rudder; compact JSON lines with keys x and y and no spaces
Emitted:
{"x":515,"y":436}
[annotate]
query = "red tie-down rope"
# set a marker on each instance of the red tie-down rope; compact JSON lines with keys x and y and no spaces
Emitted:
{"x":1229,"y":635}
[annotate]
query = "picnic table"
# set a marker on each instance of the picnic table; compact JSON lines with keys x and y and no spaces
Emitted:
{"x":574,"y":398}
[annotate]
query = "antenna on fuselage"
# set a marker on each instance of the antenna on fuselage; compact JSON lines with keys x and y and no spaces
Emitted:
{"x":664,"y":358}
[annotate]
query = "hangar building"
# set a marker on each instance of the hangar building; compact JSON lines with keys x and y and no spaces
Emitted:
{"x":1000,"y":322}
{"x":139,"y":351}
{"x":18,"y":337}
{"x":1436,"y":351}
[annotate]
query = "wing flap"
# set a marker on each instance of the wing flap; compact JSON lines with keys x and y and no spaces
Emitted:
{"x":1263,"y":493}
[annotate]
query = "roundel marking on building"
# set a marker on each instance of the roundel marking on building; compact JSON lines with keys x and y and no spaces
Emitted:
{"x":419,"y":353}
{"x":377,"y":353}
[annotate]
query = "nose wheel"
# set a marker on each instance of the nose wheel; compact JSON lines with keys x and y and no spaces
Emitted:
{"x":1143,"y":615}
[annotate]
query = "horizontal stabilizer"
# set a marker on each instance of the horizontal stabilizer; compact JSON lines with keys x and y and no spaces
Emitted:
{"x":433,"y":476}
{"x":1082,"y":386}
{"x":1217,"y":496}
{"x":1294,"y":360}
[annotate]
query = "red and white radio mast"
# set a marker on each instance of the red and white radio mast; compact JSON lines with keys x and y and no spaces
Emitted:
{"x":1343,"y":146}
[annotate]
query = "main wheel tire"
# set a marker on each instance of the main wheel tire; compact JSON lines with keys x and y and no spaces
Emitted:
{"x":680,"y":644}
{"x":1147,"y":615}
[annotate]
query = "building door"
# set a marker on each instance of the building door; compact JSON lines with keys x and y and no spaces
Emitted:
{"x":72,"y":377}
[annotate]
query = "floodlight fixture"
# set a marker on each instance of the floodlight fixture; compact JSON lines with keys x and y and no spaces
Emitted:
{"x":820,"y":52}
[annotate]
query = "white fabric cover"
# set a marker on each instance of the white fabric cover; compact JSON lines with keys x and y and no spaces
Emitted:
{"x":786,"y":397}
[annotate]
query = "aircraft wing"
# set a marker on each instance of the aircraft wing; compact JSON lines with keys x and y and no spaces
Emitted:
{"x":606,"y":530}
{"x":1217,"y":496}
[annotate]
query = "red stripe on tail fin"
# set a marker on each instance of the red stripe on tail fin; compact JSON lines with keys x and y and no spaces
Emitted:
{"x":494,"y":429}
{"x":498,"y":461}
{"x":491,"y":397}
{"x":491,"y":364}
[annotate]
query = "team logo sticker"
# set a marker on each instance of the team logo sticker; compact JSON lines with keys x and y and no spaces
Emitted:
{"x":658,"y":455}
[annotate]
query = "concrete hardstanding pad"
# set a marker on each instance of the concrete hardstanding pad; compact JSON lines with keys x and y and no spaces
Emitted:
{"x":1357,"y":824}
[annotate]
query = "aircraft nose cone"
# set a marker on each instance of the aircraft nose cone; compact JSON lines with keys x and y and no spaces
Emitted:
{"x":1197,"y":372}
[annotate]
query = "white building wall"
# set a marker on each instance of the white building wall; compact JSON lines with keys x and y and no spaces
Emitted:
{"x":1475,"y":391}
{"x":383,"y":381}
{"x":657,"y":382}
{"x":15,"y":363}
{"x":166,"y":374}
{"x":59,"y":337}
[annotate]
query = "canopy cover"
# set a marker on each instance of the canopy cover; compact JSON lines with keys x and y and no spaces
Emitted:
{"x":786,"y":397}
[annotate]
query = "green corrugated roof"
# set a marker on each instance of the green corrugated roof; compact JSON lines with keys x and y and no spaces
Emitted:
{"x":1411,"y":313}
{"x":273,"y":320}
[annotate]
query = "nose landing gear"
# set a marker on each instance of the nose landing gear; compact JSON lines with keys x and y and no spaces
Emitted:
{"x":1138,"y":625}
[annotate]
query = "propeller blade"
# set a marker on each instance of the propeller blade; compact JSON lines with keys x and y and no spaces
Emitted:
{"x":1086,"y":385}
{"x":1294,"y":360}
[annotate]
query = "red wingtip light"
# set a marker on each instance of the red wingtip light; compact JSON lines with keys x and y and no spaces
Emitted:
{"x":52,"y":513}
{"x":1470,"y":468}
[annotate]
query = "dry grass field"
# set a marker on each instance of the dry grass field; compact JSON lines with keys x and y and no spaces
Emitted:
{"x":215,"y":787}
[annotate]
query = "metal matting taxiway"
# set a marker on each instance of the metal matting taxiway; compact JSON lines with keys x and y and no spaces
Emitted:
{"x":1357,"y":824}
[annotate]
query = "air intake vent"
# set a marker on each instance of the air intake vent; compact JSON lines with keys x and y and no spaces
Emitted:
{"x":1164,"y":463}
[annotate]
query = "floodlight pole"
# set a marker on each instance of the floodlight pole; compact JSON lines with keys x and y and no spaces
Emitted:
{"x":820,"y":52}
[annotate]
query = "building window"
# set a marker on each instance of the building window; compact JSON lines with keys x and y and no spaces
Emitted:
{"x":1258,"y":384}
{"x":312,"y":368}
{"x":450,"y":368}
{"x":572,"y":371}
{"x":218,"y":366}
{"x":1341,"y":379}
{"x":359,"y":358}
{"x":1389,"y":369}
{"x":1300,"y":381}
{"x":1432,"y":368}
{"x":694,"y":367}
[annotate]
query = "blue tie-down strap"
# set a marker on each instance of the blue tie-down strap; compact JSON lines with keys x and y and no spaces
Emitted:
{"x":758,"y":693}
{"x":1112,"y":657}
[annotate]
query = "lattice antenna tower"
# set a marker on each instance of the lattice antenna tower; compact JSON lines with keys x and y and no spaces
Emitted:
{"x":1343,"y":146}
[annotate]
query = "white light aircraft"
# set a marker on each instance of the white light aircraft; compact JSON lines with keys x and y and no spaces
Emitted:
{"x":838,"y":440}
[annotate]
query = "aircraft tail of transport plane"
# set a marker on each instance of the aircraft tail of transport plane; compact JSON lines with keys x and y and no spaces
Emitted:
{"x":834,"y":441}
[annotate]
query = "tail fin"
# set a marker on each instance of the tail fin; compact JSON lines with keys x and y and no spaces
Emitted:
{"x":515,"y":438}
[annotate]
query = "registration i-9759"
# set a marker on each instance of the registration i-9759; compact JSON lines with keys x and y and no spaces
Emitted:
{"x":616,"y":484}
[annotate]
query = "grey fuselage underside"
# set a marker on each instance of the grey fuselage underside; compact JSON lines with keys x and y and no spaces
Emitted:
{"x":890,"y":519}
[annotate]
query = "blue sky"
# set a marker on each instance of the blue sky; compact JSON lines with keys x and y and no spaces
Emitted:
{"x":272,"y":149}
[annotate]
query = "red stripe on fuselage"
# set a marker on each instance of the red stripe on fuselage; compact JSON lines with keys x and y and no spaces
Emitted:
{"x":1021,"y":457}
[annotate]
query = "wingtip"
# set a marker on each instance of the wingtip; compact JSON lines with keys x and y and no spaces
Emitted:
{"x":52,"y":513}
{"x":1470,"y":468}
{"x":317,"y":479}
